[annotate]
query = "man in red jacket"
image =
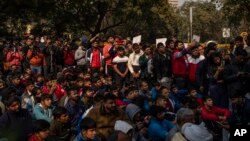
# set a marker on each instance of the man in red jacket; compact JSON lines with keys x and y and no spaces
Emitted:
{"x":215,"y":118}
{"x":212,"y":113}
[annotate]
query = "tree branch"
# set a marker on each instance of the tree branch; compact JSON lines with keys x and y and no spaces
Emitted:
{"x":111,"y":26}
{"x":247,"y":6}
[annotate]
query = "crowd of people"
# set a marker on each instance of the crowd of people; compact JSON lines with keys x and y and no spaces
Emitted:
{"x":55,"y":89}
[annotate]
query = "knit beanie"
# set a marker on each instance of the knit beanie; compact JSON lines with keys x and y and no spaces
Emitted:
{"x":132,"y":110}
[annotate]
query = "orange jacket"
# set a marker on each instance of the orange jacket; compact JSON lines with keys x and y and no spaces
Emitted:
{"x":107,"y":57}
{"x":35,"y":60}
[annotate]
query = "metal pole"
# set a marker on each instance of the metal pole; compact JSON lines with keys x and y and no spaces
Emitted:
{"x":191,"y":23}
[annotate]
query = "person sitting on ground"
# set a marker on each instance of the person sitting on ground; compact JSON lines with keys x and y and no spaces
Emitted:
{"x":40,"y":130}
{"x":187,"y":129}
{"x":88,"y":130}
{"x":159,"y":127}
{"x":15,"y":123}
{"x":105,"y":116}
{"x":60,"y":126}
{"x":43,"y":110}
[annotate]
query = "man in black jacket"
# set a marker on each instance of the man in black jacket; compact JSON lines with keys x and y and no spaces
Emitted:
{"x":237,"y":74}
{"x":15,"y":123}
{"x":162,"y":64}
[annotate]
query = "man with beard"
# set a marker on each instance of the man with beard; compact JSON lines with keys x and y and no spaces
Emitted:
{"x":237,"y":74}
{"x":15,"y":123}
{"x":106,"y":115}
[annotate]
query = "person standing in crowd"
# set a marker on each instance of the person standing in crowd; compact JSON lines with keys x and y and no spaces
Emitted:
{"x":58,"y":53}
{"x":162,"y":65}
{"x":193,"y":59}
{"x":203,"y":66}
{"x":94,"y":58}
{"x":120,"y":65}
{"x":146,"y":64}
{"x":170,"y":46}
{"x":80,"y":58}
{"x":236,"y":75}
{"x":216,"y":87}
{"x":15,"y":57}
{"x":36,"y":59}
{"x":68,"y":55}
{"x":107,"y":56}
{"x":180,"y":65}
{"x":133,"y":63}
{"x":28,"y":45}
{"x":48,"y":62}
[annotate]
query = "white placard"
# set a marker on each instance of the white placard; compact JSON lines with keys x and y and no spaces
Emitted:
{"x":196,"y":38}
{"x":161,"y":40}
{"x":136,"y":39}
{"x":226,"y":32}
{"x":185,"y":45}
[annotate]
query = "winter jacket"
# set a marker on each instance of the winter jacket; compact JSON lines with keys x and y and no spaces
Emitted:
{"x":107,"y":56}
{"x":15,"y":58}
{"x":80,"y":137}
{"x":179,"y":63}
{"x":133,"y":60}
{"x":28,"y":102}
{"x":60,"y":92}
{"x":40,"y":113}
{"x":162,"y":65}
{"x":105,"y":122}
{"x":69,"y":58}
{"x":75,"y":109}
{"x":60,"y":131}
{"x":158,"y":129}
{"x":193,"y":132}
{"x":214,"y":113}
{"x":80,"y":56}
{"x":36,"y":58}
{"x":237,"y":84}
{"x":89,"y":57}
{"x":16,"y":126}
{"x":144,"y":62}
{"x":193,"y":64}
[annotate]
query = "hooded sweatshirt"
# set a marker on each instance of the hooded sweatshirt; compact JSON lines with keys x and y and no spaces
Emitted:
{"x":194,"y":132}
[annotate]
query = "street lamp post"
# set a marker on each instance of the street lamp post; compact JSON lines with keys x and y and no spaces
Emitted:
{"x":191,"y":23}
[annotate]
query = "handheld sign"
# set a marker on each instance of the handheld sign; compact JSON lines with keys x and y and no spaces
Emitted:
{"x":137,"y":39}
{"x":161,"y":40}
{"x":196,"y":38}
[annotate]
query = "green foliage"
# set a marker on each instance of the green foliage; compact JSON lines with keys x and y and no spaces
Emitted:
{"x":124,"y":17}
{"x":237,"y":14}
{"x":207,"y":21}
